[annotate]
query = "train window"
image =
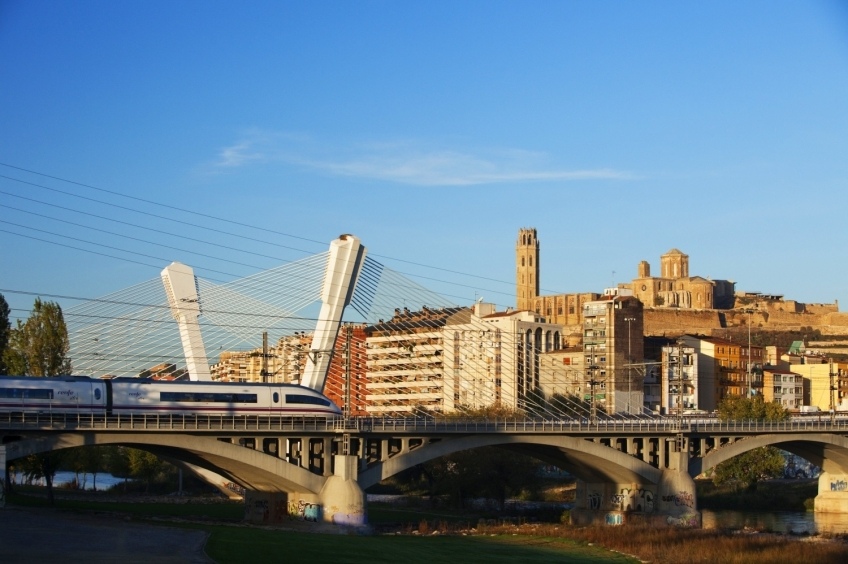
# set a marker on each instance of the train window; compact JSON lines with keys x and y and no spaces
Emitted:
{"x":276,"y":397}
{"x":207,"y":397}
{"x":311,"y":400}
{"x":97,"y":393}
{"x":25,"y":393}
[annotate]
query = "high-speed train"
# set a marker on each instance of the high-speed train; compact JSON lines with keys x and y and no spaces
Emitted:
{"x":126,"y":396}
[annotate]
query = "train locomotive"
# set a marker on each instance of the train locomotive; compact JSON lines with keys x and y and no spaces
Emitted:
{"x":136,"y":396}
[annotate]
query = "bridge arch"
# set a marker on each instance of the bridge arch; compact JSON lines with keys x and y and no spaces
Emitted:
{"x":586,"y":460}
{"x":253,"y":470}
{"x":826,"y":450}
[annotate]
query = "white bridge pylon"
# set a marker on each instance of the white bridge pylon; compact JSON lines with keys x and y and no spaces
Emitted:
{"x":181,"y":288}
{"x":344,"y":264}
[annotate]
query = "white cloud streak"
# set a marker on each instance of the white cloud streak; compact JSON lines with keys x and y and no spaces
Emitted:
{"x":406,"y":163}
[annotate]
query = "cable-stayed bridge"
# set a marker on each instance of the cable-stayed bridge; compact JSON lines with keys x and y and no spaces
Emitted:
{"x":623,"y":465}
{"x":128,"y":331}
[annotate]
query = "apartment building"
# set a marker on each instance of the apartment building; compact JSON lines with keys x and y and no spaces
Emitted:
{"x":725,"y":368}
{"x":495,"y":358}
{"x":405,"y":363}
{"x":284,"y":362}
{"x":613,"y":350}
{"x":346,"y":383}
{"x":825,"y":383}
{"x":563,"y":372}
{"x":679,"y":380}
{"x":784,"y":387}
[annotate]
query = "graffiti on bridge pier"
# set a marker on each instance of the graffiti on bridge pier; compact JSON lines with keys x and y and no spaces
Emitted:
{"x":300,"y":509}
{"x":235,"y":488}
{"x":633,"y":499}
{"x":680,"y":499}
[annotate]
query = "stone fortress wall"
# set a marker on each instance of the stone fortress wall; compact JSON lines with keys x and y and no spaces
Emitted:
{"x":765,"y":315}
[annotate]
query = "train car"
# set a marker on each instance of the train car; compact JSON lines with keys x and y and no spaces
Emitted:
{"x":61,"y":394}
{"x":135,"y":396}
{"x":138,"y":396}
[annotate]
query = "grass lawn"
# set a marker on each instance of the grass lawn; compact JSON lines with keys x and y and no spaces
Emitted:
{"x":237,"y":544}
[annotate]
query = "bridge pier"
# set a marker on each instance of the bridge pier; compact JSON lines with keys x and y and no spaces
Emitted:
{"x":340,"y":501}
{"x":668,"y":502}
{"x":833,"y":493}
{"x":343,"y":501}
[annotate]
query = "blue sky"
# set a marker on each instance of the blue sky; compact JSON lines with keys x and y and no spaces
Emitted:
{"x":433,"y":131}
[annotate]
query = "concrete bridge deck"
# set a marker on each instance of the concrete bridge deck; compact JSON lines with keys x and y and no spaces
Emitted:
{"x":623,"y":466}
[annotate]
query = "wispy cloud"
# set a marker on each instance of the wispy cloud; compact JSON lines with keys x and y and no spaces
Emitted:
{"x":240,"y":154}
{"x":406,"y":162}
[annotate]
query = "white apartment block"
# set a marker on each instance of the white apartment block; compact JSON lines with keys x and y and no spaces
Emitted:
{"x":496,"y":358}
{"x":438,"y":361}
{"x":404,"y":363}
{"x":679,"y":385}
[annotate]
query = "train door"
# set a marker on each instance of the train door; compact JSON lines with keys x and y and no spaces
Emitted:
{"x":108,"y":391}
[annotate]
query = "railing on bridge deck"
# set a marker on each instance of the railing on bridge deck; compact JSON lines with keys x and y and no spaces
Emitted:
{"x":389,"y":425}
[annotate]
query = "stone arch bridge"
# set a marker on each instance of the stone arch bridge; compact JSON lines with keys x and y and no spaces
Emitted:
{"x":628,"y":471}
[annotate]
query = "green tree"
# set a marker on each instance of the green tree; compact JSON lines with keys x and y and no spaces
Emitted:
{"x":44,"y":465}
{"x":40,"y":346}
{"x":739,"y":408}
{"x":86,"y":460}
{"x":144,"y":466}
{"x":5,"y":330}
{"x":14,"y":357}
{"x":748,"y":469}
{"x":117,"y":462}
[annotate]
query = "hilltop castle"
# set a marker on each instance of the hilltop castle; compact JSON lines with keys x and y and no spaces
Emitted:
{"x":674,"y":301}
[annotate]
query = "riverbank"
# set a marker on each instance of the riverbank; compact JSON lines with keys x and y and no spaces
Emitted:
{"x":774,"y":495}
{"x":407,"y":533}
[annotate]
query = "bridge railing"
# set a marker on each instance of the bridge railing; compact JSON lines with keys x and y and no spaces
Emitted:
{"x":406,"y":425}
{"x":166,"y":422}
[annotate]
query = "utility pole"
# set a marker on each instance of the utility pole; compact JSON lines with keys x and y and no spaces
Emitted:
{"x":681,"y":440}
{"x":629,"y":320}
{"x":593,"y":410}
{"x":832,"y":390}
{"x":346,"y":409}
{"x":264,"y":371}
{"x":749,"y":312}
{"x":348,"y":339}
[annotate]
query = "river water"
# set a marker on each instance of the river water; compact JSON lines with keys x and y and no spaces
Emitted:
{"x":103,"y":480}
{"x":788,"y":522}
{"x":791,"y":522}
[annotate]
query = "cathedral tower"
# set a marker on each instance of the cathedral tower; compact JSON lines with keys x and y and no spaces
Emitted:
{"x":526,"y":268}
{"x":674,"y":265}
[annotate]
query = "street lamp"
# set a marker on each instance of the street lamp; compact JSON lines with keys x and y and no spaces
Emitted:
{"x":680,"y":345}
{"x":593,"y":410}
{"x":749,"y":312}
{"x":629,"y":320}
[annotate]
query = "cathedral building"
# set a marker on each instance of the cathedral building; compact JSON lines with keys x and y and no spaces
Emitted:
{"x":675,"y":288}
{"x":559,"y":309}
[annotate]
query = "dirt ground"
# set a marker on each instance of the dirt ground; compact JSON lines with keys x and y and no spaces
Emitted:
{"x":30,"y":535}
